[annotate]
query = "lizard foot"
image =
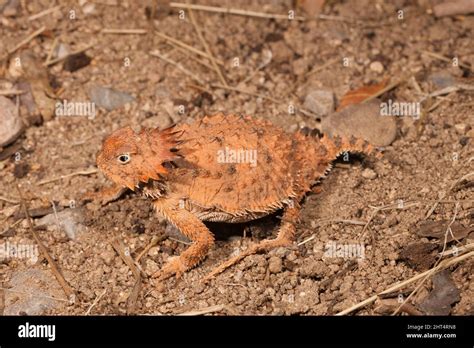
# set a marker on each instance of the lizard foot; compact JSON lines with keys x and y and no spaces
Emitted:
{"x":174,"y":267}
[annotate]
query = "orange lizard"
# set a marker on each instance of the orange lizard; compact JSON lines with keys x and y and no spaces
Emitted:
{"x":220,"y":168}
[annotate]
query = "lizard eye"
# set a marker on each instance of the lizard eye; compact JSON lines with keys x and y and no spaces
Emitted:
{"x":124,"y":158}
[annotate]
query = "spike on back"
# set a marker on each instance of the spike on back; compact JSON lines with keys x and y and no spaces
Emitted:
{"x":337,"y":145}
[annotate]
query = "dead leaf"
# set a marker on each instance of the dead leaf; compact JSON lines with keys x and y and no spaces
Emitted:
{"x":390,"y":305}
{"x":437,"y":229}
{"x":442,"y":297}
{"x":419,"y":256}
{"x":358,"y":95}
{"x":30,"y":69}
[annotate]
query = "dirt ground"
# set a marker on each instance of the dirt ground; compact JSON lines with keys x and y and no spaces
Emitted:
{"x":420,"y":167}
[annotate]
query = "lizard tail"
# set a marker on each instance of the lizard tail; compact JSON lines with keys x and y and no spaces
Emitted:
{"x":338,"y":145}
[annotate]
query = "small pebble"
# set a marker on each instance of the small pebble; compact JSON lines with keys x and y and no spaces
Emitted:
{"x":11,"y":125}
{"x":461,"y":128}
{"x":362,"y":121}
{"x":376,"y":67}
{"x":320,"y":102}
{"x":369,"y":174}
{"x":109,"y":98}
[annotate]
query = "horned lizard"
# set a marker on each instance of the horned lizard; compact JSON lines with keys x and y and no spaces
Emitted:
{"x":220,"y":168}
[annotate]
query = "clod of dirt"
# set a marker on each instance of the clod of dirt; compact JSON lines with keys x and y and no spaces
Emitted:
{"x":443,"y":296}
{"x":437,"y":229}
{"x":420,"y":256}
{"x":275,"y":264}
{"x":69,"y":220}
{"x":11,"y":125}
{"x":363,"y":121}
{"x":109,"y":98}
{"x":21,"y":170}
{"x":77,"y":61}
{"x":320,"y":102}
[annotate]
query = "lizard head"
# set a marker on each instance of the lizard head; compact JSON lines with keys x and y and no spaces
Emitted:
{"x":130,"y":158}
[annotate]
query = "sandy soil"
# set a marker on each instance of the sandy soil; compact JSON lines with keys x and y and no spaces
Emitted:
{"x":426,"y":158}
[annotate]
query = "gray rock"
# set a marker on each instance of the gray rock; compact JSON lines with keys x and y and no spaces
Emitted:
{"x":11,"y":125}
{"x":109,"y":98}
{"x":320,"y":102}
{"x":363,"y":121}
{"x":32,"y":291}
{"x":442,"y":79}
{"x":70,"y":221}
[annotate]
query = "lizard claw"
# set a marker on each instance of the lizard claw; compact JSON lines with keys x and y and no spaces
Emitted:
{"x":174,"y":267}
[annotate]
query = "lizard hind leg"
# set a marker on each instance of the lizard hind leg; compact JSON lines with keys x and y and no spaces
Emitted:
{"x":285,"y":237}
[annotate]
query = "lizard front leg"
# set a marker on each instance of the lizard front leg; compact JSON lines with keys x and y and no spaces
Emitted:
{"x":193,"y":228}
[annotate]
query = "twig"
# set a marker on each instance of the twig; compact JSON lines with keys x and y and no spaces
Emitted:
{"x":124,"y":31}
{"x":443,"y":58}
{"x":385,"y":89}
{"x":119,"y":247}
{"x":35,"y":295}
{"x":206,"y":47}
{"x":442,"y":265}
{"x":177,"y":65}
{"x":2,"y":301}
{"x":211,"y":309}
{"x":24,"y":41}
{"x":322,"y":67}
{"x":81,"y":172}
{"x":444,"y":194}
{"x":187,"y":47}
{"x":43,"y":13}
{"x":263,"y":96}
{"x":236,"y":89}
{"x":453,"y":7}
{"x":51,"y":51}
{"x":155,"y":240}
{"x":190,"y":56}
{"x":11,"y":92}
{"x":9,"y":200}
{"x":117,"y":244}
{"x":59,"y":59}
{"x":67,"y":289}
{"x":234,"y":11}
{"x":97,"y":299}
